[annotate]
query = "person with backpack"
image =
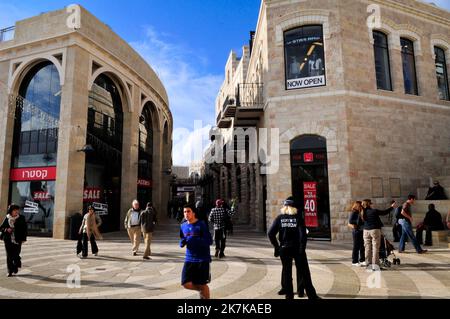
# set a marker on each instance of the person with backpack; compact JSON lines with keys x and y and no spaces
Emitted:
{"x":148,"y":221}
{"x":396,"y":227}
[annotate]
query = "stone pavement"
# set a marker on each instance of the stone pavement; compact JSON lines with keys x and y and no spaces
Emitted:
{"x":248,"y":272}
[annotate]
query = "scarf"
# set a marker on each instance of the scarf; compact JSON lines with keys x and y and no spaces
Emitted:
{"x":11,"y":222}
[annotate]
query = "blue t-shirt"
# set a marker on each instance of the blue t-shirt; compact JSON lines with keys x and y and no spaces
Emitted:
{"x":197,"y":239}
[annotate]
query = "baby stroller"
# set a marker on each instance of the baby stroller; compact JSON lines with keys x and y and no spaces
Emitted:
{"x":387,"y":249}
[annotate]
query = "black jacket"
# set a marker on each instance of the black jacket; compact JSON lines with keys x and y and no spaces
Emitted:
{"x":433,"y":219}
{"x":291,"y":232}
{"x":20,"y":229}
{"x":148,"y":220}
{"x":372,"y":219}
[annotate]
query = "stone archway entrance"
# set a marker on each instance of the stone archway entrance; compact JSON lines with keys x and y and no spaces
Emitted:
{"x":309,"y":166}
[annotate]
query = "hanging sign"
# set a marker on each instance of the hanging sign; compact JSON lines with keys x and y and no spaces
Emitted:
{"x":31,"y":207}
{"x":33,"y":174}
{"x":310,"y":199}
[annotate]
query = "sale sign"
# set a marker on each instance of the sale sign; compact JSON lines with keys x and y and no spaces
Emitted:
{"x":92,"y":194}
{"x":310,"y":197}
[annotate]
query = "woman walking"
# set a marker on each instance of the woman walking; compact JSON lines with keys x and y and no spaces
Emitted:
{"x":357,"y":224}
{"x":13,"y":233}
{"x":89,"y":231}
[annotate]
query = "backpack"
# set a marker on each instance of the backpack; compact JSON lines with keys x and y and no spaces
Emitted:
{"x":398,"y":212}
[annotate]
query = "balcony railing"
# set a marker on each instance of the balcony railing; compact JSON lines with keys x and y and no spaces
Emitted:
{"x":7,"y":34}
{"x":250,"y":95}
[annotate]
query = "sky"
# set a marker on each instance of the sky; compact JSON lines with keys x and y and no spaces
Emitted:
{"x":187,"y":43}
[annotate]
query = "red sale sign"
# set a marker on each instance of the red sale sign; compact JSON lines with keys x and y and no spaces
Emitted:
{"x":92,"y":194}
{"x":310,"y":196}
{"x":144,"y":183}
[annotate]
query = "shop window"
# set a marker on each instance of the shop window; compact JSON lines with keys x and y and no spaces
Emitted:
{"x":441,"y":74}
{"x":382,"y":66}
{"x":304,"y":57}
{"x":409,"y":67}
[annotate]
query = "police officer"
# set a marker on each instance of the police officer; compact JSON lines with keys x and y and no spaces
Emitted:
{"x":291,"y":232}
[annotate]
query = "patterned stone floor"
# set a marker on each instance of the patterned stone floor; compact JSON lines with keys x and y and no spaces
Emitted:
{"x":249,"y":271}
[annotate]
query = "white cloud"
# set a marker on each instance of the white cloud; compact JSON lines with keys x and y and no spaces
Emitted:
{"x":189,"y":146}
{"x":192,"y":93}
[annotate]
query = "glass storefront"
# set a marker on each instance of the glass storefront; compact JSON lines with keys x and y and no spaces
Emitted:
{"x":103,"y":170}
{"x":310,"y":184}
{"x":145,"y":164}
{"x":35,"y":143}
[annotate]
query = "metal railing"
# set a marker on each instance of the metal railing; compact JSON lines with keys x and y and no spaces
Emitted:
{"x":250,"y":95}
{"x":7,"y":34}
{"x":230,"y":100}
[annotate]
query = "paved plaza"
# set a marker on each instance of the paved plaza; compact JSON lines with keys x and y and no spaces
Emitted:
{"x":248,"y":272}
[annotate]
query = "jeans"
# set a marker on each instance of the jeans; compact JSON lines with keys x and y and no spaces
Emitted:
{"x":358,"y":247}
{"x":94,"y":247}
{"x":407,"y":232}
{"x":220,"y":238}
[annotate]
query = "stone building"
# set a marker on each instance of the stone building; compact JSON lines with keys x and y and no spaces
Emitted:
{"x":84,"y":121}
{"x":359,"y":92}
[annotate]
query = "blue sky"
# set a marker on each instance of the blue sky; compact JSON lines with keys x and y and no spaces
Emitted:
{"x":187,"y":42}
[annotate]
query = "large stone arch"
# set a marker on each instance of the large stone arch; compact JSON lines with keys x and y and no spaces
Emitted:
{"x":156,"y":120}
{"x":119,"y":80}
{"x":308,"y":128}
{"x":19,"y":68}
{"x":299,"y":19}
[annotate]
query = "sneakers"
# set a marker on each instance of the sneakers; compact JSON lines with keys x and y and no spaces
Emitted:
{"x":134,"y":253}
{"x":423,"y":251}
{"x":96,"y":254}
{"x":146,"y":257}
{"x":363,"y":264}
{"x":356,"y":264}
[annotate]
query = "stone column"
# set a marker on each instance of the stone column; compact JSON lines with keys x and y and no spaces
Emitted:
{"x":130,"y":151}
{"x":6,"y":136}
{"x":72,"y":136}
{"x":251,"y":195}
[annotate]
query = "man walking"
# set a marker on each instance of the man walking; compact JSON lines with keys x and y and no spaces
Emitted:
{"x":218,"y":217}
{"x":133,"y":226}
{"x":406,"y":222}
{"x":148,"y":220}
{"x":196,"y":237}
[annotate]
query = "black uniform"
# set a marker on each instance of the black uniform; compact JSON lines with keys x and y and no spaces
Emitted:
{"x":292,"y":236}
{"x":13,"y":259}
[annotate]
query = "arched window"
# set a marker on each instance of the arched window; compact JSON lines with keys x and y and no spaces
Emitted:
{"x":304,"y":57}
{"x":382,"y":65}
{"x":37,"y":118}
{"x":35,"y":146}
{"x":441,"y":74}
{"x":105,"y":115}
{"x":409,"y":66}
{"x":145,"y":143}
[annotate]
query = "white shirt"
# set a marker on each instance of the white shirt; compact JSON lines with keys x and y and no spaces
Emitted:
{"x":134,"y":218}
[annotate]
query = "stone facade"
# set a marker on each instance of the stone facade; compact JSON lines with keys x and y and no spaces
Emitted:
{"x":81,"y":54}
{"x":371,"y":134}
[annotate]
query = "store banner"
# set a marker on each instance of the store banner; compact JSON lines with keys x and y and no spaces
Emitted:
{"x":144,"y":183}
{"x":33,"y":174}
{"x":92,"y":194}
{"x":310,"y":199}
{"x":306,"y":82}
